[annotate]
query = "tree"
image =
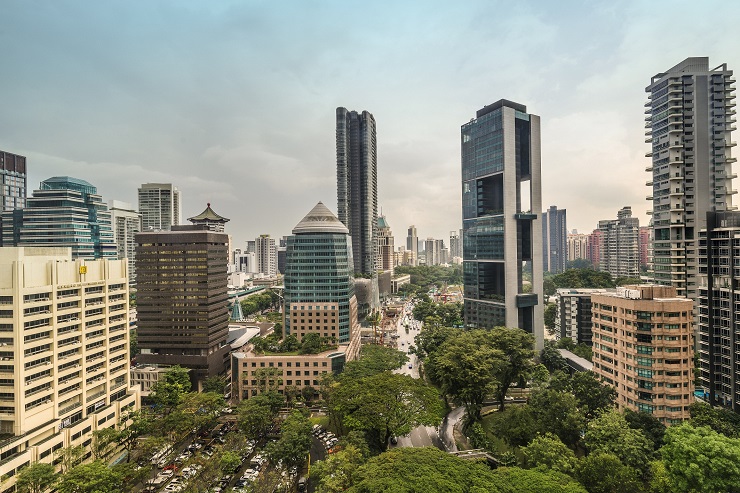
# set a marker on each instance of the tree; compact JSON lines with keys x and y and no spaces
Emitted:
{"x":430,"y":339}
{"x":518,"y":348}
{"x":605,"y":473}
{"x":94,"y":477}
{"x":583,"y":278}
{"x":552,"y":359}
{"x":558,"y":413}
{"x":385,"y":405}
{"x":337,"y":472}
{"x":721,"y":420}
{"x":698,"y":459}
{"x":516,"y":426}
{"x":36,"y":478}
{"x":292,"y":448}
{"x":550,"y":313}
{"x":69,"y":456}
{"x":516,"y":480}
{"x":169,"y":389}
{"x":102,"y":441}
{"x":130,"y":428}
{"x":374,"y":359}
{"x":215,"y":384}
{"x":312,"y":343}
{"x":255,"y":417}
{"x":133,"y":343}
{"x":548,"y":452}
{"x":592,"y":394}
{"x":610,"y":434}
{"x":650,"y":426}
{"x":230,"y":461}
{"x":268,"y":379}
{"x":584,"y":351}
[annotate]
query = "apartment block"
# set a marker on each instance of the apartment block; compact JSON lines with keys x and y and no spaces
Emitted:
{"x":126,"y":222}
{"x":554,"y":239}
{"x":160,"y":206}
{"x":620,"y":245}
{"x":643,"y":345}
{"x":573,"y":314}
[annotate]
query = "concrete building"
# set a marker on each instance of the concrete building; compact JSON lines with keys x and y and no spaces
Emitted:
{"x":644,"y":234}
{"x":456,"y":249}
{"x":689,"y":119}
{"x":412,"y":244}
{"x":502,"y":234}
{"x":182,"y":299}
{"x":65,"y":352}
{"x":266,"y":255}
{"x":573,"y":314}
{"x":554,"y":239}
{"x":126,"y":222}
{"x":64,"y":212}
{"x":578,"y":247}
{"x":620,"y":245}
{"x":357,"y":185}
{"x":718,"y":309}
{"x":595,"y":243}
{"x":245,"y":262}
{"x":160,"y":206}
{"x":13,"y":181}
{"x":386,"y":245}
{"x":643,"y":345}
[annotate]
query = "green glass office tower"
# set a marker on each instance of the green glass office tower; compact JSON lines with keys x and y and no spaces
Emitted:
{"x":319,"y":278}
{"x":64,"y":212}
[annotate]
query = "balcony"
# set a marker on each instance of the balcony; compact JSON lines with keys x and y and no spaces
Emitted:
{"x":69,"y":408}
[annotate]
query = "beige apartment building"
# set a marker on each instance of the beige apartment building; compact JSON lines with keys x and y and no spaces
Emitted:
{"x":64,"y":352}
{"x":643,"y":346}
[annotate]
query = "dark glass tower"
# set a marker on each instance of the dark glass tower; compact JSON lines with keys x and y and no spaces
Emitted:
{"x":502,"y":234}
{"x":12,"y":181}
{"x":554,"y":239}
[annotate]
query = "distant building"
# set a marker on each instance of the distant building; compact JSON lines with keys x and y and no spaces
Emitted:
{"x":554,"y":239}
{"x":456,"y":244}
{"x":64,"y":212}
{"x":620,"y":245}
{"x":595,"y":240}
{"x":160,"y":206}
{"x":385,"y":245}
{"x":282,"y":255}
{"x":266,"y":253}
{"x":644,"y":347}
{"x":245,"y":262}
{"x":126,"y":223}
{"x":13,"y":181}
{"x":578,"y":247}
{"x":502,"y":234}
{"x":644,"y":246}
{"x":573,"y":314}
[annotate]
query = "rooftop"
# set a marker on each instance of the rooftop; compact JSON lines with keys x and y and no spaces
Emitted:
{"x":208,"y":215}
{"x":320,"y":220}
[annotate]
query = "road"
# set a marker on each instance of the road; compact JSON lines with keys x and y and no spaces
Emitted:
{"x":423,"y":436}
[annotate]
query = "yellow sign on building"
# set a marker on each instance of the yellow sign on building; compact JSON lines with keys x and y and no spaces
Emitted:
{"x":83,"y":269}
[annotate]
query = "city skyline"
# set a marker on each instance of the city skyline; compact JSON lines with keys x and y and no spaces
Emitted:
{"x":135,"y":89}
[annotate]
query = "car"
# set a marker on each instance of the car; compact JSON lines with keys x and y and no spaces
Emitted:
{"x":411,"y":366}
{"x":394,"y":440}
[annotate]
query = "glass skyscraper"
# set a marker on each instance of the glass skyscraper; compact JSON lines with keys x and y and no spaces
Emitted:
{"x":502,"y":234}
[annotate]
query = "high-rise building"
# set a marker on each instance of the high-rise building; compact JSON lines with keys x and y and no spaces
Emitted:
{"x":12,"y":181}
{"x":644,"y":348}
{"x":126,"y":223}
{"x":578,"y":246}
{"x":251,"y":246}
{"x":386,"y":245}
{"x":502,"y":234}
{"x":412,"y":244}
{"x":160,"y":206}
{"x":357,"y":188}
{"x":620,"y":245}
{"x":595,"y":244}
{"x":455,"y":244}
{"x":64,"y":355}
{"x":266,"y":254}
{"x":644,"y":233}
{"x":64,"y":212}
{"x":554,"y":239}
{"x":718,"y":313}
{"x":573,"y":314}
{"x":689,"y":121}
{"x":183,"y":318}
{"x":319,"y":279}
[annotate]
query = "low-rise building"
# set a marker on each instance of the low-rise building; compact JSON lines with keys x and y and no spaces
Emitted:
{"x":573,"y":314}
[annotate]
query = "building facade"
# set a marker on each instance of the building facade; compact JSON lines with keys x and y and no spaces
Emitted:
{"x":573,"y":314}
{"x":64,"y":212}
{"x":182,"y":299}
{"x":13,"y":186}
{"x":266,"y":255}
{"x":578,"y":247}
{"x":386,"y":245}
{"x":455,"y":244}
{"x":412,"y":244}
{"x":502,"y":234}
{"x":689,"y":119}
{"x":718,"y":304}
{"x":554,"y":240}
{"x":126,"y":223}
{"x":211,"y":220}
{"x":160,"y":206}
{"x":65,"y":354}
{"x":620,"y":245}
{"x":644,"y":234}
{"x":643,"y":345}
{"x":357,"y":185}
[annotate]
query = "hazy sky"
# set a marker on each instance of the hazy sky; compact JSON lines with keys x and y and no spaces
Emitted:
{"x":234,"y":102}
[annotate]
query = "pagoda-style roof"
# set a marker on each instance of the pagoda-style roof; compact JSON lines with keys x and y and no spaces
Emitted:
{"x":320,"y":220}
{"x":208,"y":216}
{"x":382,"y":223}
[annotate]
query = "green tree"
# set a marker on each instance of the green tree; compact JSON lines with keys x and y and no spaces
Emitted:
{"x":605,"y":473}
{"x":312,"y":343}
{"x":230,"y":461}
{"x":36,"y":478}
{"x":93,"y":477}
{"x":721,"y":420}
{"x":292,"y":448}
{"x":169,"y":389}
{"x":102,"y":442}
{"x":356,"y":439}
{"x":551,"y":358}
{"x":133,"y":343}
{"x":548,"y":452}
{"x":583,"y":278}
{"x":215,"y":384}
{"x":132,"y":426}
{"x":255,"y":417}
{"x":592,"y":394}
{"x":584,"y":351}
{"x":373,"y":359}
{"x":516,"y":426}
{"x":700,"y":460}
{"x":337,"y":472}
{"x":550,"y":312}
{"x":385,"y":405}
{"x":518,"y":348}
{"x":268,"y":379}
{"x":610,"y":434}
{"x":68,"y":457}
{"x":516,"y":480}
{"x":650,"y":426}
{"x":558,"y":413}
{"x":430,"y":339}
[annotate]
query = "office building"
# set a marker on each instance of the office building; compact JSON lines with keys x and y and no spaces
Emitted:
{"x":12,"y":181}
{"x":125,"y":222}
{"x":160,"y":206}
{"x":689,"y":118}
{"x":64,"y":212}
{"x":209,"y":219}
{"x":455,"y":244}
{"x":357,"y":187}
{"x":412,"y":244}
{"x":643,"y":346}
{"x":620,"y":245}
{"x":282,"y":255}
{"x":266,"y":255}
{"x":245,"y":262}
{"x":502,"y":233}
{"x":386,"y":245}
{"x":573,"y":314}
{"x":182,"y":299}
{"x":65,"y":353}
{"x":554,"y":240}
{"x":578,"y":247}
{"x":718,"y":307}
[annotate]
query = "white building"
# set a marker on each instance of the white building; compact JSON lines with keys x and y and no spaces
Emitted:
{"x":126,"y":222}
{"x":266,"y":253}
{"x":160,"y":206}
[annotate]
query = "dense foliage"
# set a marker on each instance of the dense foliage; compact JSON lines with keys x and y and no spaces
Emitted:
{"x":259,"y":302}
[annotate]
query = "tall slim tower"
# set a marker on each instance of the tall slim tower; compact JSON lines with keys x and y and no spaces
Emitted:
{"x":554,"y":239}
{"x":160,"y":206}
{"x":266,"y":255}
{"x":126,"y":222}
{"x":357,"y":188}
{"x":412,"y":244}
{"x":13,"y":181}
{"x":620,"y":244}
{"x":689,"y":119}
{"x":502,"y":234}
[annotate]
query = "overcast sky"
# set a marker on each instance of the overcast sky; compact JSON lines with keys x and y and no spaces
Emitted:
{"x":234,"y":102}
